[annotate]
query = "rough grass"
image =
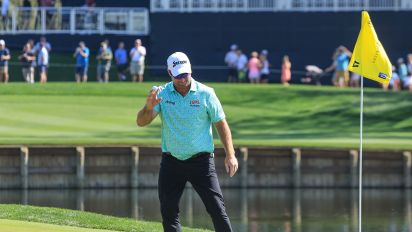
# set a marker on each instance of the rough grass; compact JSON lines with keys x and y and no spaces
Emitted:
{"x":263,"y":115}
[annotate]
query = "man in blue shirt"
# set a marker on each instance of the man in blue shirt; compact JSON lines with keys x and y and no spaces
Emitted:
{"x":121,"y":61}
{"x":4,"y":62}
{"x":188,"y":109}
{"x":82,"y":62}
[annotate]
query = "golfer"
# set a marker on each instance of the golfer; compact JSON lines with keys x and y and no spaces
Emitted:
{"x":187,"y":109}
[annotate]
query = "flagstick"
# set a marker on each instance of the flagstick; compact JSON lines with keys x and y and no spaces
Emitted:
{"x":360,"y":158}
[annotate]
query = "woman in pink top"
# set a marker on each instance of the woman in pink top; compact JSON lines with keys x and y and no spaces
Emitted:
{"x":254,"y":66}
{"x":286,"y":73}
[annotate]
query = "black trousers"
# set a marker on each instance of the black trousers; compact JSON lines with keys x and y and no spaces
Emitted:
{"x":201,"y":173}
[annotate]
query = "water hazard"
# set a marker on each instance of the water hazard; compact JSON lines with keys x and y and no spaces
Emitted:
{"x":250,"y":210}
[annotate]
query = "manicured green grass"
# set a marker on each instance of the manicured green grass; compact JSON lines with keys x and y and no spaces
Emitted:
{"x":72,"y":218}
{"x":23,"y":226}
{"x":264,"y":115}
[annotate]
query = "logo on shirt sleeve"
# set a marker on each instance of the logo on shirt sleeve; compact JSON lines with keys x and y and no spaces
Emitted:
{"x":170,"y":102}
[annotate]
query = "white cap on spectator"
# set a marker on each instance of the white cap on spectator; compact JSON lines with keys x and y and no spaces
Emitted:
{"x":2,"y":42}
{"x":233,"y":47}
{"x":264,"y":52}
{"x":178,"y":63}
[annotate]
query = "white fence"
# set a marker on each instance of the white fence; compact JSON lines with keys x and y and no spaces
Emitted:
{"x":78,"y":20}
{"x":277,"y":5}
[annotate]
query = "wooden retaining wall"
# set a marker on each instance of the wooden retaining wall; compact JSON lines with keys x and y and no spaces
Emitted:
{"x":131,"y":167}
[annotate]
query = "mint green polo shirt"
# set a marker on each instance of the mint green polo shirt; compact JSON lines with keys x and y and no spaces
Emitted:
{"x":187,"y":121}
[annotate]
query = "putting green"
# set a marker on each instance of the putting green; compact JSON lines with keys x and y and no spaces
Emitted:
{"x":24,"y":226}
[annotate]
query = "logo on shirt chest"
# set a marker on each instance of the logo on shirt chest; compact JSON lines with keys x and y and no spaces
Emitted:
{"x":195,"y":103}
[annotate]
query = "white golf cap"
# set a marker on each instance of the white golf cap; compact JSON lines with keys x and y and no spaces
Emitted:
{"x":264,"y":52}
{"x":2,"y":42}
{"x":178,"y":63}
{"x":233,"y":47}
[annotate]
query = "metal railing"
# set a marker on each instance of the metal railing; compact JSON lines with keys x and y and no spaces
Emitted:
{"x":277,"y":5}
{"x":76,"y":20}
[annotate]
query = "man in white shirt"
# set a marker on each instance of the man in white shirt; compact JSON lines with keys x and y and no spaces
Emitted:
{"x":231,"y":61}
{"x":43,"y":62}
{"x":137,"y":57}
{"x":37,"y":46}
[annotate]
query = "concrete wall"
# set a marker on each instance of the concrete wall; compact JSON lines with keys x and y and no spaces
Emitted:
{"x":10,"y":168}
{"x":125,"y":167}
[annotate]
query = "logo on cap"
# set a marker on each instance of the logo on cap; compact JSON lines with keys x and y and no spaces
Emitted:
{"x":179,"y":62}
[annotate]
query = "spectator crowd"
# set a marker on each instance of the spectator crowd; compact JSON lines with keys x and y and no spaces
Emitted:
{"x":256,"y":69}
{"x":401,"y":74}
{"x":36,"y":56}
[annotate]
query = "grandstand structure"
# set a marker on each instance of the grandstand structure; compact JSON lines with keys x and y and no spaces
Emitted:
{"x":77,"y":20}
{"x":278,"y":5}
{"x":135,"y":20}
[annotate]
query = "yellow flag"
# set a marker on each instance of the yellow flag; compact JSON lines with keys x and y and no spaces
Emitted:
{"x":369,"y":58}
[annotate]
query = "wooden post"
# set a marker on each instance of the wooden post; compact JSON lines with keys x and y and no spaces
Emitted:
{"x":244,"y":209}
{"x":354,"y":154}
{"x":80,"y":153}
{"x":354,"y":210}
{"x":408,"y":209}
{"x":134,"y":178}
{"x":297,"y":211}
{"x":296,"y":159}
{"x":189,"y":191}
{"x":407,"y":163}
{"x":24,"y":167}
{"x":243,"y":167}
{"x":135,"y":203}
{"x":80,"y":200}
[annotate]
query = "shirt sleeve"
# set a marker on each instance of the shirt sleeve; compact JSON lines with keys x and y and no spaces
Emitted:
{"x":157,"y":108}
{"x":214,"y":108}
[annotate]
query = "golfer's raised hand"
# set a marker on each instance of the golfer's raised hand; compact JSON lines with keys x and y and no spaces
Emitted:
{"x":152,"y":100}
{"x":231,"y":165}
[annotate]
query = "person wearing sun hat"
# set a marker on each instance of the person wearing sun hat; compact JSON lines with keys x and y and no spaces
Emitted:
{"x":188,"y":109}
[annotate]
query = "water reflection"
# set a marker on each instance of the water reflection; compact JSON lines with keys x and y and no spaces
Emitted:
{"x":251,"y":210}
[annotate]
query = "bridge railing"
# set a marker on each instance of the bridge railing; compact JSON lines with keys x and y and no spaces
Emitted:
{"x":76,"y":20}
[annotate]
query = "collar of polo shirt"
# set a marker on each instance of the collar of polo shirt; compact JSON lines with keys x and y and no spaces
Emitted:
{"x":193,"y":86}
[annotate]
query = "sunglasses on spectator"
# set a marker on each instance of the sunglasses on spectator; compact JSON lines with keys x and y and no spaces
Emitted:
{"x":182,"y":76}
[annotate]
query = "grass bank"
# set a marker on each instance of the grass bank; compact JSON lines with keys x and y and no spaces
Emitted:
{"x":263,"y":115}
{"x":33,"y":219}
